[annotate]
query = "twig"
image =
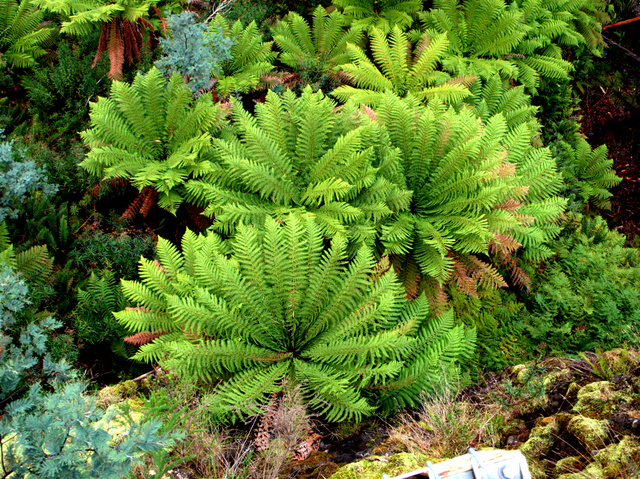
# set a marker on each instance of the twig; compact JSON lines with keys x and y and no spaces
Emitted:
{"x":145,"y":375}
{"x":627,"y":51}
{"x":623,"y":22}
{"x":222,"y":6}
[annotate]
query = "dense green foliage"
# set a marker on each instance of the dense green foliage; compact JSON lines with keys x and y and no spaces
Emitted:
{"x":318,"y":49}
{"x":303,"y":154}
{"x":397,"y":70}
{"x":369,"y":182}
{"x":152,"y":133}
{"x":21,"y":33}
{"x":283,"y":311}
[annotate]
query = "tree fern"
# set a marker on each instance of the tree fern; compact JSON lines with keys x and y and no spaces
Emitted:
{"x":474,"y":183}
{"x":285,"y":311}
{"x":21,"y":33}
{"x":396,"y":70}
{"x":487,"y":34}
{"x":536,"y":171}
{"x":251,"y":58}
{"x":121,"y":23}
{"x":152,"y":133}
{"x":383,"y":14}
{"x":303,"y":154}
{"x":318,"y":48}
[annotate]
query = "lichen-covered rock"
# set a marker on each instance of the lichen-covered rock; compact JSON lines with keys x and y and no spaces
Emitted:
{"x":373,"y":467}
{"x":116,"y":393}
{"x":541,"y":439}
{"x":600,"y":399}
{"x":592,"y":433}
{"x":569,"y":465}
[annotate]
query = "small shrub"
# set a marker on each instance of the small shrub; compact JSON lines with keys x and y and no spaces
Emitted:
{"x":194,"y":51}
{"x":19,"y":179}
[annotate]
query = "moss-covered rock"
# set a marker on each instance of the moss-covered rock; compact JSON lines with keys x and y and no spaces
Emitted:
{"x":119,"y":417}
{"x":569,"y":465}
{"x":619,"y":361}
{"x":116,"y":393}
{"x":373,"y":467}
{"x":541,"y":439}
{"x":555,"y":376}
{"x":592,"y":471}
{"x":621,"y":459}
{"x":600,"y":399}
{"x":592,"y":433}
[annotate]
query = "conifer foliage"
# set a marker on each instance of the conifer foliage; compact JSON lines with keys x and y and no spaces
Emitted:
{"x":152,"y":133}
{"x":303,"y":154}
{"x":286,"y":310}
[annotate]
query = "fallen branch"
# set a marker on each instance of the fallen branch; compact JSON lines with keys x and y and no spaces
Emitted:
{"x":627,"y":51}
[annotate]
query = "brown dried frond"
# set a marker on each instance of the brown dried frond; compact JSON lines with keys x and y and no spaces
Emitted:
{"x":519,"y":275}
{"x":145,"y":23}
{"x":369,"y":112}
{"x":381,"y":267}
{"x":163,"y":20}
{"x":421,"y":46}
{"x":143,"y":337}
{"x":115,"y":47}
{"x":485,"y":274}
{"x":409,"y":273}
{"x":436,"y":295}
{"x":194,"y":213}
{"x":266,"y":424}
{"x":466,"y":80}
{"x":102,"y":44}
{"x":134,"y":206}
{"x":504,"y":245}
{"x":466,"y":283}
{"x":128,"y":39}
{"x":506,"y":169}
{"x":112,"y":183}
{"x":142,"y":203}
{"x":344,"y":77}
{"x":511,"y":205}
{"x":150,"y":200}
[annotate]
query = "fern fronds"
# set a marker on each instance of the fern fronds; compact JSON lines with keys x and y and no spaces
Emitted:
{"x":394,"y":69}
{"x":22,"y":34}
{"x":283,"y":309}
{"x":302,"y":154}
{"x":153,"y":134}
{"x":382,"y":14}
{"x":321,"y":46}
{"x":251,"y":58}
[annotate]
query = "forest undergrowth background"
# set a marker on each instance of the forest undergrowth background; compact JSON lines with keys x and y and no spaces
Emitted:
{"x":237,"y":235}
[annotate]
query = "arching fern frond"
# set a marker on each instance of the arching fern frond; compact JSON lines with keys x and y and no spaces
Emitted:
{"x":152,"y":133}
{"x":394,"y":69}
